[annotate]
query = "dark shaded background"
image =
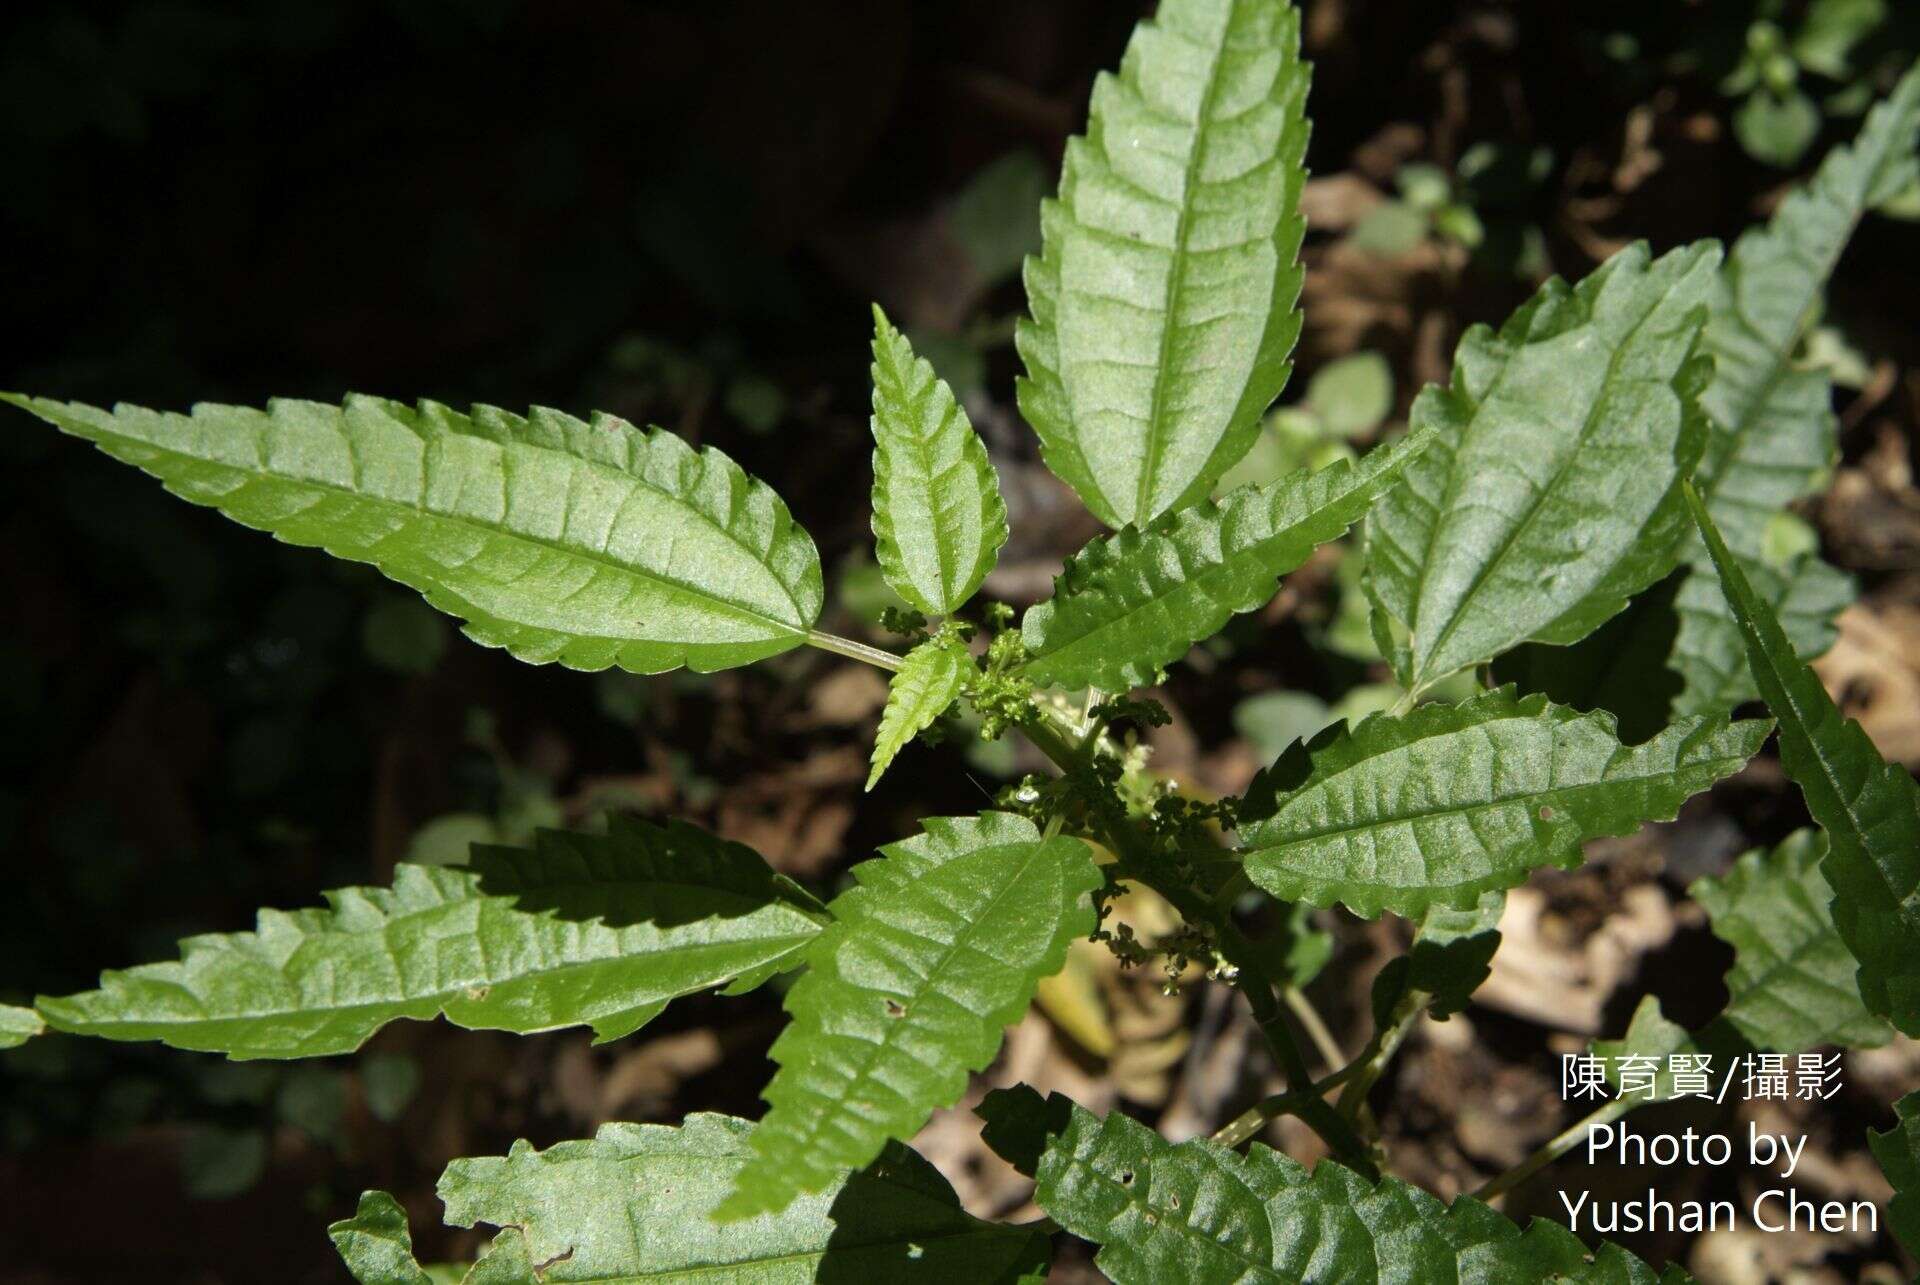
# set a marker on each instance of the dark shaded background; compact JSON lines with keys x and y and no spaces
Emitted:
{"x":676,"y":212}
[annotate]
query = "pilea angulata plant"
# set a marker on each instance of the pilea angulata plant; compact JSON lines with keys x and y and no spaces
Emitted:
{"x":1595,"y":497}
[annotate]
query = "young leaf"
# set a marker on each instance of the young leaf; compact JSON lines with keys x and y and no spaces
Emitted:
{"x":376,"y":1245}
{"x":589,"y":543}
{"x":18,"y":1025}
{"x":1129,"y":604}
{"x":1772,"y":427}
{"x":1870,"y":808}
{"x":936,"y":950}
{"x":1163,"y":297}
{"x":1652,"y":1037}
{"x":598,"y":930}
{"x":1200,"y":1213}
{"x":1551,"y":493}
{"x":1791,"y":986}
{"x":1452,"y":953}
{"x":1436,"y":807}
{"x":938,"y":520}
{"x":633,"y":1203}
{"x":929,"y":679}
{"x":1898,"y":1151}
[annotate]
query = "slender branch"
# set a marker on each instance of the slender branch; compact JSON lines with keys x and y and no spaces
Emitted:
{"x":1380,"y":1050}
{"x":1071,"y":748}
{"x":1316,"y":1026}
{"x":1255,"y":1118}
{"x":852,"y":649}
{"x":1552,"y":1149}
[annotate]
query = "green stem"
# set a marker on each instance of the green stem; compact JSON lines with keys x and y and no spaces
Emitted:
{"x":1316,"y":1026}
{"x":1071,"y":748}
{"x":852,"y":649}
{"x":1258,"y":1116}
{"x":1380,"y":1050}
{"x":1552,"y":1149}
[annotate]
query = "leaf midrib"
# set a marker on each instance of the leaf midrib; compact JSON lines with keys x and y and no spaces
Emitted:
{"x":583,"y":553}
{"x":1224,"y":569}
{"x":1553,"y":483}
{"x":1181,"y":1218}
{"x":1559,"y":792}
{"x":918,"y":450}
{"x":437,"y":996}
{"x":875,"y":1048}
{"x":978,"y":1230}
{"x":1855,"y":834}
{"x":1176,"y":279}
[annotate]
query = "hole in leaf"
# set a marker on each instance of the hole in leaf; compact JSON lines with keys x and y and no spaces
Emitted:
{"x":1174,"y":1201}
{"x":1126,"y":1177}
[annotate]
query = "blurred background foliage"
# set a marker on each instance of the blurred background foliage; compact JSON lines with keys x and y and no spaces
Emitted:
{"x":677,"y":211}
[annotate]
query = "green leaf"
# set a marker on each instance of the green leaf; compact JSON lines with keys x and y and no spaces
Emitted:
{"x":1898,"y":1151}
{"x":936,"y":950}
{"x":1830,"y":31}
{"x":1771,"y":439}
{"x":598,"y":930}
{"x":376,"y":1245}
{"x":1551,"y":492}
{"x":1352,"y":395}
{"x":1708,"y":652}
{"x":1271,"y":721}
{"x":18,"y":1025}
{"x":1438,"y":806}
{"x":929,"y":680}
{"x":589,"y":543}
{"x":1163,"y":298}
{"x":1452,"y":953}
{"x":1869,"y":808}
{"x":938,"y":520}
{"x":1777,"y":129}
{"x":633,"y":1203}
{"x":1791,"y":986}
{"x":1652,"y":1036}
{"x":1131,"y":603}
{"x":1199,"y":1213}
{"x":996,"y":217}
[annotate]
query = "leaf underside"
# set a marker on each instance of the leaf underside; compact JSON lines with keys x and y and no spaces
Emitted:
{"x":931,"y":677}
{"x":597,"y":930}
{"x":1448,"y":802}
{"x":1200,"y":1213}
{"x":591,"y":543}
{"x":938,"y":520}
{"x":1551,"y":492}
{"x":1163,"y":297}
{"x":1791,"y":986}
{"x":632,"y":1203}
{"x":1131,"y":603}
{"x":1772,"y":435}
{"x":931,"y":956}
{"x":1869,"y":808}
{"x":376,"y":1245}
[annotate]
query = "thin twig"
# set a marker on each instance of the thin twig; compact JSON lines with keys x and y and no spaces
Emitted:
{"x":1552,"y":1149}
{"x":1316,"y":1027}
